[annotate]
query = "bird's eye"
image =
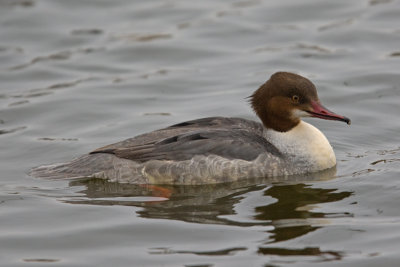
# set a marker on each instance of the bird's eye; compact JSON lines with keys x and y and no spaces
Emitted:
{"x":295,"y":98}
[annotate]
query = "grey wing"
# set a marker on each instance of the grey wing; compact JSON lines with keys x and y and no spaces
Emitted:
{"x":186,"y":127}
{"x":236,"y":144}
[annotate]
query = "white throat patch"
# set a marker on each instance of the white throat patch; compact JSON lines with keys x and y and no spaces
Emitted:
{"x":304,"y":143}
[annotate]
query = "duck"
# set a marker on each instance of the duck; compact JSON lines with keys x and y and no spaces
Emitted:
{"x":219,"y":149}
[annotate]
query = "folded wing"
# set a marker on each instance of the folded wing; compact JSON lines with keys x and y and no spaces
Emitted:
{"x":231,"y":144}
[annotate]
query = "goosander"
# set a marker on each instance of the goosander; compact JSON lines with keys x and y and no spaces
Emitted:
{"x":219,"y":149}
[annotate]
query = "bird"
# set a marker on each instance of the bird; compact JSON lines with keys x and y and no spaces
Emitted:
{"x":219,"y":149}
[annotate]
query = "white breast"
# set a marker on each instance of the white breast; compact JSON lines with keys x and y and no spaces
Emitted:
{"x":304,"y":143}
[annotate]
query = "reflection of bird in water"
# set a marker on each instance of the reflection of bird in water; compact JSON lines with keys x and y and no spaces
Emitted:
{"x":285,"y":209}
{"x":206,"y":203}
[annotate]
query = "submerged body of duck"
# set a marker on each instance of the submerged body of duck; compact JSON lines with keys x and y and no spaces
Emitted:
{"x":217,"y":149}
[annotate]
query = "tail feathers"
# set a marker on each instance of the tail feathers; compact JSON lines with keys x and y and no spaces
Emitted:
{"x":54,"y":171}
{"x":84,"y":166}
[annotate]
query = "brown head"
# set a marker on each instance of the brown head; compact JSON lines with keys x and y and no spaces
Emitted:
{"x":284,"y":98}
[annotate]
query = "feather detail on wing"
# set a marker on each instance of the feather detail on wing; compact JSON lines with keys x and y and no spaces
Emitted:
{"x":230,"y":144}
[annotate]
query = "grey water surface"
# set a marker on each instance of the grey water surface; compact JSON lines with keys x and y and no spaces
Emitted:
{"x":77,"y":75}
